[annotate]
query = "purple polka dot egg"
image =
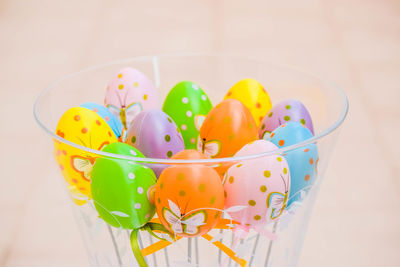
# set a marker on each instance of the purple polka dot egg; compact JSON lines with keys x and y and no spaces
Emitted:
{"x":261,"y":185}
{"x":156,"y":135}
{"x":291,"y":110}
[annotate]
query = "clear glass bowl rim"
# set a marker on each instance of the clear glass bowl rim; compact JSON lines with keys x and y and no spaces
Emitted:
{"x":344,"y":110}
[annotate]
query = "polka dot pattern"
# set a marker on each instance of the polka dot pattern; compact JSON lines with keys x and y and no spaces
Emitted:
{"x":285,"y":111}
{"x":263,"y":188}
{"x":267,"y":176}
{"x":302,"y":161}
{"x":130,"y":87}
{"x":251,"y":93}
{"x":125,"y":202}
{"x":163,"y":142}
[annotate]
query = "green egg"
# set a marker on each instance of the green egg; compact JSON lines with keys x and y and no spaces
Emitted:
{"x":120,"y":188}
{"x":187,"y":104}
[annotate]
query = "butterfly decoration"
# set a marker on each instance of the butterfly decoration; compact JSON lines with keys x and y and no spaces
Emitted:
{"x":198,"y":121}
{"x":126,"y":114}
{"x":182,"y":223}
{"x":84,"y":164}
{"x":277,"y":202}
{"x":211,"y":148}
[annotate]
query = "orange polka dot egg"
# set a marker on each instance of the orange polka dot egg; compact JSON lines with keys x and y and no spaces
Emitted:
{"x":189,"y":198}
{"x":128,"y":93}
{"x":261,"y":185}
{"x":84,"y":127}
{"x":226,"y":129}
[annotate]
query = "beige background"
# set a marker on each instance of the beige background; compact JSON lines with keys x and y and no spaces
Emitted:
{"x":356,"y":43}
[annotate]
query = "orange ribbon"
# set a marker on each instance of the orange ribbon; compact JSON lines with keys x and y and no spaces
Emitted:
{"x":222,"y":224}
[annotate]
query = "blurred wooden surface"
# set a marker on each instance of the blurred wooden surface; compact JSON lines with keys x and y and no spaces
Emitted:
{"x":355,"y":43}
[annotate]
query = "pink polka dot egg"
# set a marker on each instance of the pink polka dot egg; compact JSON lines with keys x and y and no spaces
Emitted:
{"x":261,"y":184}
{"x":128,"y":93}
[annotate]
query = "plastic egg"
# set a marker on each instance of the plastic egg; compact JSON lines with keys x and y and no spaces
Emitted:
{"x":86,"y":128}
{"x":155,"y":134}
{"x":302,"y":161}
{"x":128,"y":93}
{"x":289,"y":110}
{"x":253,"y":95}
{"x":227,"y":128}
{"x":106,"y":114}
{"x":188,"y":105}
{"x":189,"y":198}
{"x":121,"y":188}
{"x":261,"y":184}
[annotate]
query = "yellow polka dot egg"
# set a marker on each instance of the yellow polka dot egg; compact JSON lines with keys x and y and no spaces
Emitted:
{"x":261,"y":185}
{"x":253,"y":95}
{"x":84,"y":127}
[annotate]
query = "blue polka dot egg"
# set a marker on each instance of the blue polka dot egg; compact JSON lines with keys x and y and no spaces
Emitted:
{"x":302,"y":161}
{"x":106,"y":114}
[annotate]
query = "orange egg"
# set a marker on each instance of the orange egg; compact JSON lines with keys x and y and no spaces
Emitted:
{"x":189,"y":154}
{"x":226,"y":129}
{"x":189,"y":198}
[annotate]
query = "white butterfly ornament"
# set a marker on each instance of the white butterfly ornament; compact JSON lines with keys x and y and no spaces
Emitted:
{"x":183,"y":223}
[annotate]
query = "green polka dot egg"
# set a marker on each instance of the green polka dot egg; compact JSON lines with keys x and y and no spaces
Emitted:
{"x":261,"y":185}
{"x":187,"y":104}
{"x":121,"y":188}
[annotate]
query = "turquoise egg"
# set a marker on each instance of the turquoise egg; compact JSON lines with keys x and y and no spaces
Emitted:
{"x":114,"y":123}
{"x":302,"y":161}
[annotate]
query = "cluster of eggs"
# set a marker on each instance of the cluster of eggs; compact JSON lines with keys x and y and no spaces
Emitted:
{"x":189,"y":199}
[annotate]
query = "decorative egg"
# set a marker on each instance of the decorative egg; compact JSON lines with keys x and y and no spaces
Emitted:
{"x":260,"y":184}
{"x":86,"y":128}
{"x":121,"y":188}
{"x":302,"y":161}
{"x":227,"y":128}
{"x":189,"y":198}
{"x":289,"y":110}
{"x":188,"y":105}
{"x":253,"y":95}
{"x":105,"y":113}
{"x":155,"y":134}
{"x":128,"y":93}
